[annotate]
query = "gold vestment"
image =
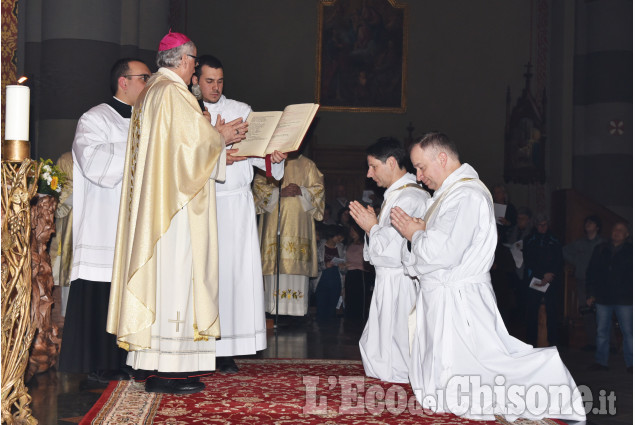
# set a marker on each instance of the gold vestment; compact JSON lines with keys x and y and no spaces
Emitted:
{"x":297,"y":227}
{"x":171,"y":154}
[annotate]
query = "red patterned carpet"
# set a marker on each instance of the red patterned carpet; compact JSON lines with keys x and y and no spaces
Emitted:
{"x":275,"y":392}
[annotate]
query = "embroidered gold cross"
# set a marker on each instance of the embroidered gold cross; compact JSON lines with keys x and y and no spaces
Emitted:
{"x":177,"y":321}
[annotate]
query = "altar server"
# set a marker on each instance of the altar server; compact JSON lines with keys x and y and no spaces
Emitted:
{"x":99,"y":151}
{"x":240,"y":293}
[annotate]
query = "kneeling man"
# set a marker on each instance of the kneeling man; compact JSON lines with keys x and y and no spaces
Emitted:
{"x":460,"y":342}
{"x":384,"y":343}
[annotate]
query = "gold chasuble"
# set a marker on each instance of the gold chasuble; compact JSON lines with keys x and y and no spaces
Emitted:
{"x":298,"y":255}
{"x":172,"y":152}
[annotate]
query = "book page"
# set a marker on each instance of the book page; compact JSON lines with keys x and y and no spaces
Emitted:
{"x":336,"y":261}
{"x":261,"y":128}
{"x":499,"y":212}
{"x":534,"y":285}
{"x":293,"y":125}
{"x":517,"y":253}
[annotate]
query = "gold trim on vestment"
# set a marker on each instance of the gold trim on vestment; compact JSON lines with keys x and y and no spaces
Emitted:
{"x":167,"y":169}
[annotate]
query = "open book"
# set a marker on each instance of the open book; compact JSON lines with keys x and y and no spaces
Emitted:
{"x":275,"y":130}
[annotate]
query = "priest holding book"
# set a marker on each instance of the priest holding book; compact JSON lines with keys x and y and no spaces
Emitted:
{"x":240,"y":286}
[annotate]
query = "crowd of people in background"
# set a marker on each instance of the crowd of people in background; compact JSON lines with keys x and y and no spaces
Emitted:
{"x":527,"y":250}
{"x":530,"y":270}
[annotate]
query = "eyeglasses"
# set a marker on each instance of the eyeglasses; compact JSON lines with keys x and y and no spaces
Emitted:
{"x":144,"y":77}
{"x":193,"y":57}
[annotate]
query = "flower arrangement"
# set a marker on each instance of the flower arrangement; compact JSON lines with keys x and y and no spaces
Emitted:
{"x":51,"y":179}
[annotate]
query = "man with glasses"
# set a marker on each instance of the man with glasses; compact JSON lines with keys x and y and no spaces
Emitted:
{"x":241,"y":293}
{"x":99,"y":150}
{"x":164,"y":299}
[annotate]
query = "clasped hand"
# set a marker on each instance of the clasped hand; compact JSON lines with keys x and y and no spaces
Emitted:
{"x":406,"y":225}
{"x":364,"y":216}
{"x":291,"y":190}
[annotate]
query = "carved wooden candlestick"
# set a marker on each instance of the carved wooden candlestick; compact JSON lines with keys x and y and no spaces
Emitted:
{"x":46,"y":345}
{"x":17,"y":330}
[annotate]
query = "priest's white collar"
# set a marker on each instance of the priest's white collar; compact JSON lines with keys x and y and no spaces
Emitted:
{"x":121,"y":101}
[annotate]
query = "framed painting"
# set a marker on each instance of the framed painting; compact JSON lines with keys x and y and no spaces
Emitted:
{"x":525,"y":137}
{"x":361,"y":55}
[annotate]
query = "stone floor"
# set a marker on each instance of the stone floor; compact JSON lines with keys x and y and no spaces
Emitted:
{"x":60,"y":398}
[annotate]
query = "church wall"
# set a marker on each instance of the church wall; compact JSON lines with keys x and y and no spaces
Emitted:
{"x":603,"y":103}
{"x":462,"y":55}
{"x":68,"y":49}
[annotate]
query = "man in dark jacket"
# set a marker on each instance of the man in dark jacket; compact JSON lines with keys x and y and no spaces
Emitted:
{"x":609,"y":280}
{"x":542,"y":254}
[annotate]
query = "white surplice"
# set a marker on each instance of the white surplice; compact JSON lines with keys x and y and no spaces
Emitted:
{"x":99,"y":153}
{"x":241,"y":290}
{"x":384,"y":342}
{"x":459,"y":331}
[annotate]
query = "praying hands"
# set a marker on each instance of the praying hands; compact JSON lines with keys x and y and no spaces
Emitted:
{"x":405,"y":224}
{"x":363,"y":216}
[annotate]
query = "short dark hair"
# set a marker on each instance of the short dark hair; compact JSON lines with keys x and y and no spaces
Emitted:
{"x":595,"y":219}
{"x":357,"y":229}
{"x":437,"y":140}
{"x":209,"y":60}
{"x":341,"y":212}
{"x":332,"y":230}
{"x":119,"y":69}
{"x":385,"y":147}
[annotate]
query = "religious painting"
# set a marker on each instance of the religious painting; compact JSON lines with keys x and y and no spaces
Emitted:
{"x":361,"y":55}
{"x":525,"y":138}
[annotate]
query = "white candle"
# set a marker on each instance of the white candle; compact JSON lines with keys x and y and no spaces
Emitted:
{"x":16,"y":125}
